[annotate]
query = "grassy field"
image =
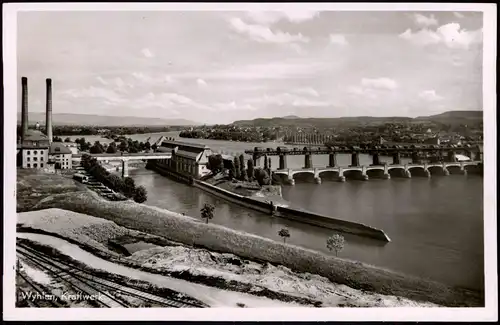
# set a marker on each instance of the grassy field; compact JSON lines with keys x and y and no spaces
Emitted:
{"x":33,"y":186}
{"x":217,"y":238}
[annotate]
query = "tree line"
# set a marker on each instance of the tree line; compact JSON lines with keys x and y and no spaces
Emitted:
{"x":238,"y":170}
{"x":108,"y":130}
{"x":125,"y":186}
{"x":120,"y":143}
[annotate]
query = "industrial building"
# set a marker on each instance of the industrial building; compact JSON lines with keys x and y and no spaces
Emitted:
{"x":35,"y":149}
{"x":187,"y":158}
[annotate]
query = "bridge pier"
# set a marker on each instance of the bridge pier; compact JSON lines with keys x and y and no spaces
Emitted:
{"x":307,"y":161}
{"x":376,"y":159}
{"x":332,"y":160}
{"x":282,"y":164}
{"x":386,"y":172}
{"x":124,"y":168}
{"x":317,"y":180}
{"x":446,"y":172}
{"x":341,"y":175}
{"x":452,"y":156}
{"x":415,"y":159}
{"x":354,"y":160}
{"x":396,"y":158}
{"x":364,"y":176}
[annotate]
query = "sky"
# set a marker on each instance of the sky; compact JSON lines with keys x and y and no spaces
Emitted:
{"x":218,"y":67}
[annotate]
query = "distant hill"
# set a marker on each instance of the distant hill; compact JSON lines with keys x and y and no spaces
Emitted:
{"x":454,"y":118}
{"x":451,"y":117}
{"x":100,"y":120}
{"x":319,"y":122}
{"x":290,"y":117}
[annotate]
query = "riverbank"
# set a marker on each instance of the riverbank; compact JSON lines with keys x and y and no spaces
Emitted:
{"x":223,"y":271}
{"x":215,"y":238}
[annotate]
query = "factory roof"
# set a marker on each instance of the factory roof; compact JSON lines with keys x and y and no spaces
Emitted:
{"x":171,"y":143}
{"x":187,"y":154}
{"x":35,"y":135}
{"x":58,"y":148}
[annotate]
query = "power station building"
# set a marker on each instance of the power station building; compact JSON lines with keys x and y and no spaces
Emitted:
{"x":187,"y":158}
{"x":35,"y":149}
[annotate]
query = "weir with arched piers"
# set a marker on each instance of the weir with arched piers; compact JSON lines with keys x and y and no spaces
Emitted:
{"x":385,"y":171}
{"x":426,"y":160}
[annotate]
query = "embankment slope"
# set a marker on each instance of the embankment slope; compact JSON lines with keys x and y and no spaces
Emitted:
{"x":188,"y":231}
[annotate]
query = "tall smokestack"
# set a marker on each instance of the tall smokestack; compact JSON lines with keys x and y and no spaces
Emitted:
{"x":48,"y":113}
{"x":24,"y":108}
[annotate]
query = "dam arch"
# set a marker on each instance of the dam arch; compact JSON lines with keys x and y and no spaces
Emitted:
{"x":436,"y":170}
{"x":397,"y":172}
{"x":353,"y":174}
{"x":304,"y":177}
{"x":375,"y":173}
{"x":418,"y":171}
{"x":329,"y":175}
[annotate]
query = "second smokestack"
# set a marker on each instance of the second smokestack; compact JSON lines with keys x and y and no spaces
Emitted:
{"x":24,"y":107}
{"x":48,"y":112}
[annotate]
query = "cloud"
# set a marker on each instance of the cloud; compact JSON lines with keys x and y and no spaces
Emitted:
{"x":168,"y":79}
{"x":147,"y":53}
{"x":424,"y":21}
{"x":201,"y":82}
{"x":101,"y":80}
{"x":265,"y":71}
{"x":166,"y":100}
{"x":307,"y":91}
{"x":264,"y":34}
{"x":458,"y":15}
{"x":450,"y":35}
{"x":286,"y":99}
{"x":338,"y":39}
{"x":109,"y":96}
{"x":373,"y":88}
{"x":272,"y":17}
{"x":429,"y":95}
{"x":233,"y":106}
{"x":379,"y":83}
{"x":152,"y":79}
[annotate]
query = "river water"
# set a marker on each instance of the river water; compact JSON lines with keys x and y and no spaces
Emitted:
{"x":435,"y":225}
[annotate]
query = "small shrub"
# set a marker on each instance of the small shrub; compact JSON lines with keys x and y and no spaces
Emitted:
{"x":140,"y":195}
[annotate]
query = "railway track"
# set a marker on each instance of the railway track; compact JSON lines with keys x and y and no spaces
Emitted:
{"x":100,"y":297}
{"x":38,"y":290}
{"x":80,"y":277}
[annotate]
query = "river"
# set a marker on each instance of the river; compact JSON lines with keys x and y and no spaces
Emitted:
{"x":435,"y":225}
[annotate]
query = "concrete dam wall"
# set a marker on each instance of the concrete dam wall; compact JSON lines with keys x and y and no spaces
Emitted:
{"x":311,"y":218}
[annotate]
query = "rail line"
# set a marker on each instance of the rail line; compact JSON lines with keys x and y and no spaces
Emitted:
{"x":83,"y":287}
{"x":66,"y":269}
{"x":31,"y":303}
{"x":37,"y":289}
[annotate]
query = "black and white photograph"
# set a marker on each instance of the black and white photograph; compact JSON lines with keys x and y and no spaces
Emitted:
{"x":250,"y":161}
